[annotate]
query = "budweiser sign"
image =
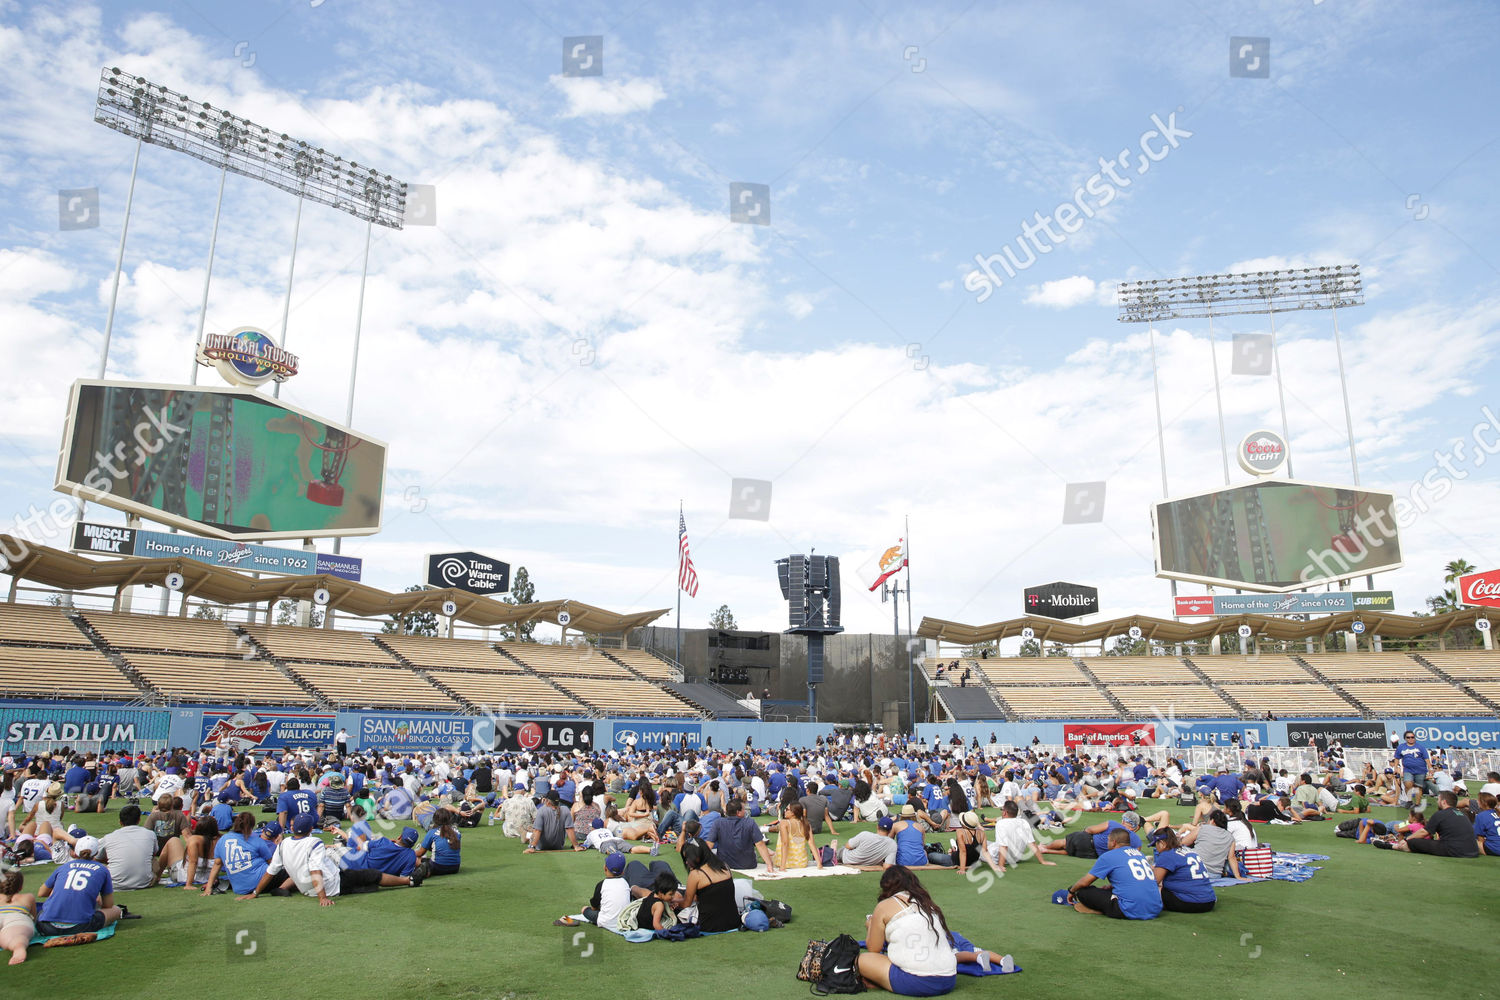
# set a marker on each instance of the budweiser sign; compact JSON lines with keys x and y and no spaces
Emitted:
{"x":240,"y":732}
{"x":1482,"y":589}
{"x":1262,"y":453}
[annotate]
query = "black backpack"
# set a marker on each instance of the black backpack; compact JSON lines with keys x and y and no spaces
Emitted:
{"x":840,"y":968}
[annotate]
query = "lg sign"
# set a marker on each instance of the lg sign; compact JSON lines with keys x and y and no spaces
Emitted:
{"x":1482,"y":589}
{"x":1262,"y":452}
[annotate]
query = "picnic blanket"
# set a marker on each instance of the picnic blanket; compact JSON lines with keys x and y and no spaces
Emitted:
{"x":760,"y":873}
{"x":1285,"y":867}
{"x":108,"y":932}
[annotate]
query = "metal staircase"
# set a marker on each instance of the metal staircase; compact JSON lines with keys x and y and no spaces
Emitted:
{"x":1213,"y":685}
{"x":1359,"y":706}
{"x":150,"y":692}
{"x":1117,"y":704}
{"x":468,"y":706}
{"x":1467,"y":689}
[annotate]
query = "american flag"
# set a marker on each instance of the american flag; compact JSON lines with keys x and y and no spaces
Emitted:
{"x":687,"y":577}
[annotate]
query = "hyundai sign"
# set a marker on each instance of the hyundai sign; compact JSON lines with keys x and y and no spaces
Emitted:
{"x":1062,"y":600}
{"x":468,"y":571}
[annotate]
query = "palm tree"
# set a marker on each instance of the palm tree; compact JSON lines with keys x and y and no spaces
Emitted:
{"x":1456,"y":569}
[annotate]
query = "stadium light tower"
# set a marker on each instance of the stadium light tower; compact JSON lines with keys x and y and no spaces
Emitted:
{"x":1253,"y":293}
{"x":152,"y":113}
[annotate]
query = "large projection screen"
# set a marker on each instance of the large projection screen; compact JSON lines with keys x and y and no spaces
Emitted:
{"x":217,"y":461}
{"x":1276,"y":536}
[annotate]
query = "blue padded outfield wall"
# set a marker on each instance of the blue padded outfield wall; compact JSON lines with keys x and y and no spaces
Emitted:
{"x":118,"y":725}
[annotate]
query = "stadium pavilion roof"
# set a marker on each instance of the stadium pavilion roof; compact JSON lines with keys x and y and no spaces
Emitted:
{"x":1385,"y":625}
{"x":67,"y":571}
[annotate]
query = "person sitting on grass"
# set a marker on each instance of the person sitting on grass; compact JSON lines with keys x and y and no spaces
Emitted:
{"x":1272,"y":809}
{"x":1093,"y":841}
{"x":1133,"y":893}
{"x":908,"y":948}
{"x":795,"y":847}
{"x":1186,"y":886}
{"x":443,"y":842}
{"x":710,"y":884}
{"x":653,"y":912}
{"x":182,"y":856}
{"x":129,"y":851}
{"x":1015,"y":840}
{"x":1448,"y":835}
{"x":78,"y":898}
{"x":1358,"y":802}
{"x":969,"y":845}
{"x":737,"y":839}
{"x":611,"y":894}
{"x":17,"y":911}
{"x":550,"y":831}
{"x":305,"y":861}
{"x":517,"y":814}
{"x":241,"y":856}
{"x":1370,"y":829}
{"x":1487,"y":824}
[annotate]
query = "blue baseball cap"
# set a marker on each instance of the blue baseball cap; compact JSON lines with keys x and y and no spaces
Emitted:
{"x":885,"y":822}
{"x":614,"y":864}
{"x":303,"y":824}
{"x":409,"y":835}
{"x":271,"y":829}
{"x":1060,"y":897}
{"x":756,"y":920}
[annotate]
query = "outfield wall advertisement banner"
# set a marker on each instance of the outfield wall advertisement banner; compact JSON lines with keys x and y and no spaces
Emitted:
{"x":111,"y":727}
{"x":1367,"y":735}
{"x":649,"y":735}
{"x":533,"y":734}
{"x":1197,"y":734}
{"x":267,"y":730}
{"x":1113,"y":734}
{"x":1465,"y":733}
{"x":418,"y":733}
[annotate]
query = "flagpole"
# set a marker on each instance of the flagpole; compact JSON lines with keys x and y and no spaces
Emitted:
{"x":677,"y":657}
{"x":910,"y":635}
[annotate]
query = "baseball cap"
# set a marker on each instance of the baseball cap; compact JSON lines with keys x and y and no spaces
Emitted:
{"x":92,"y":788}
{"x":1060,"y":897}
{"x":597,"y":824}
{"x":1157,"y":835}
{"x":86,"y":845}
{"x":303,"y":824}
{"x":409,"y":835}
{"x":271,"y":829}
{"x":885,"y":822}
{"x":614,"y":864}
{"x":756,"y":920}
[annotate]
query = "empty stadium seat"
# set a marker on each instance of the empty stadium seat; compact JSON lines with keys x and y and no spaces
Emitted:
{"x":218,"y":679}
{"x":372,"y":687}
{"x":627,"y":697}
{"x":508,"y":692}
{"x":566,"y":661}
{"x":1140,"y":670}
{"x":439,"y":654}
{"x":321,"y":645}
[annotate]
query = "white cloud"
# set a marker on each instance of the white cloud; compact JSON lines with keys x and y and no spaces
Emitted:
{"x":1065,"y":293}
{"x":799,"y":305}
{"x":598,"y":95}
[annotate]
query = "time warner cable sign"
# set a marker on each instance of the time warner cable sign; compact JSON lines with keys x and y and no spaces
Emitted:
{"x":468,"y":571}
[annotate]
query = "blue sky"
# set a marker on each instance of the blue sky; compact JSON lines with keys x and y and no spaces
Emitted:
{"x":837,"y":352}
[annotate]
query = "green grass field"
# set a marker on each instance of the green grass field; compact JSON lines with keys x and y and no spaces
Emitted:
{"x":1370,"y":921}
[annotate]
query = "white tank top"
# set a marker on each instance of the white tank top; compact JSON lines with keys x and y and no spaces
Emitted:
{"x":915,"y":947}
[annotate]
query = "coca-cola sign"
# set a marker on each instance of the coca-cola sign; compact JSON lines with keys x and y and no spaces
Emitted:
{"x":1482,"y":589}
{"x":1262,"y":453}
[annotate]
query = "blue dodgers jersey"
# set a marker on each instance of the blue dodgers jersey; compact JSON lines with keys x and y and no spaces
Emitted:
{"x":1413,"y":759}
{"x":76,"y":888}
{"x":1186,"y":876}
{"x":244,"y":860}
{"x":1101,"y":840}
{"x":1131,"y":880}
